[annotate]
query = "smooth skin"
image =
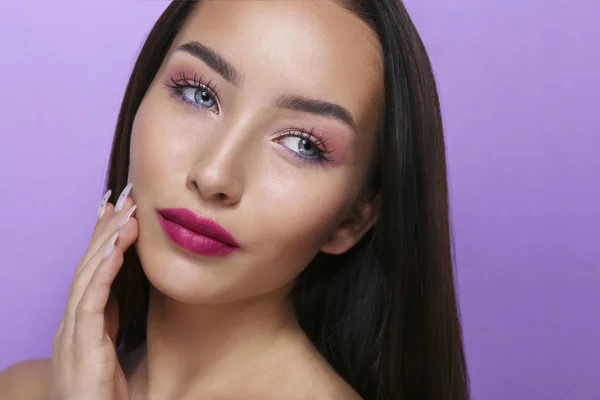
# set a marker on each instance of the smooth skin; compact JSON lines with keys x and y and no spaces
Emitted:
{"x":223,"y":328}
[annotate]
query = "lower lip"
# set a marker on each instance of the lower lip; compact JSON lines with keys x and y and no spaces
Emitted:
{"x":193,"y":241}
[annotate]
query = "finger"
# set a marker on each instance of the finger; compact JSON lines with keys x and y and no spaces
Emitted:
{"x":57,"y":340}
{"x":103,"y":213}
{"x":107,"y":229}
{"x":120,"y":204}
{"x":109,"y":211}
{"x":89,"y":322}
{"x":106,"y":214}
{"x":60,"y":352}
{"x":77,"y":289}
{"x":121,"y":224}
{"x":98,"y":234}
{"x":102,"y":206}
{"x":127,"y":234}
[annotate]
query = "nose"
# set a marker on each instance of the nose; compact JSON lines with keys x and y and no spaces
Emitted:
{"x":217,"y":176}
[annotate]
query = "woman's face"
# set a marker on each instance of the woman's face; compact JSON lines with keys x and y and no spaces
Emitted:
{"x":272,"y":146}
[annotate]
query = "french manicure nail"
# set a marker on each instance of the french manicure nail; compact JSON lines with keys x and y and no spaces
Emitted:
{"x":103,"y":202}
{"x":123,"y":197}
{"x":127,"y":216}
{"x":111,"y":245}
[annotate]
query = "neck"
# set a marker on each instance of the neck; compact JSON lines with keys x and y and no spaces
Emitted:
{"x":213,"y":346}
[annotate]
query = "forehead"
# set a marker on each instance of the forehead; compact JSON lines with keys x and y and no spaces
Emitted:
{"x":312,"y":48}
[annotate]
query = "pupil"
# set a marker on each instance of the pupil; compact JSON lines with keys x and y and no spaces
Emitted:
{"x":305,"y":146}
{"x":204,"y":96}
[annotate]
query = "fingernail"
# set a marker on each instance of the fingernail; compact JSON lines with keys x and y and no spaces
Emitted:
{"x":111,"y":245}
{"x":126,"y":216}
{"x":123,"y":197}
{"x":103,"y":202}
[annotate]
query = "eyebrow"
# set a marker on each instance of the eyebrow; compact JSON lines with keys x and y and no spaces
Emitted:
{"x":318,"y":107}
{"x":220,"y":65}
{"x":214,"y":60}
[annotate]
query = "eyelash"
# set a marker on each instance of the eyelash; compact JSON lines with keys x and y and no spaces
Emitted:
{"x":177,"y":87}
{"x":323,"y":155}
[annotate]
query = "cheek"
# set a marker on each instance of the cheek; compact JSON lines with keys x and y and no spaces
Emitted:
{"x":288,"y":228}
{"x":157,"y":149}
{"x":299,"y":215}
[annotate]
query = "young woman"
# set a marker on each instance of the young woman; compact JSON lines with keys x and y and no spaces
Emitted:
{"x":279,"y":168}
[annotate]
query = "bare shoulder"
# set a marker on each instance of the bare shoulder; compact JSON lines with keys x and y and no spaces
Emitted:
{"x":29,"y":379}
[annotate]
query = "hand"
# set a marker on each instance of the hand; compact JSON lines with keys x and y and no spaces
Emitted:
{"x":84,"y":359}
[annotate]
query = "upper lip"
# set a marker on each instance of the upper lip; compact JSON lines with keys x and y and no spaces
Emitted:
{"x":198,"y":224}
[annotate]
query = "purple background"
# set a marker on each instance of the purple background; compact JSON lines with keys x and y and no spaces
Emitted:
{"x":519,"y":84}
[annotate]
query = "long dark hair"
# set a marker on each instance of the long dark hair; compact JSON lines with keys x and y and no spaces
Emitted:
{"x":384,"y":314}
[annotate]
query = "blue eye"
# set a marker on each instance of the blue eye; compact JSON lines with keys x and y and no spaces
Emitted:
{"x":307,"y":146}
{"x":194,"y":92}
{"x":199,"y":96}
{"x":304,"y":147}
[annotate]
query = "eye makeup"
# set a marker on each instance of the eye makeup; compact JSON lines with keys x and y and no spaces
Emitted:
{"x":185,"y":85}
{"x":306,"y":145}
{"x":302,"y":140}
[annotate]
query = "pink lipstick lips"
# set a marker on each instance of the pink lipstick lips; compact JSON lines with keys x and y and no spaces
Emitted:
{"x":195,"y":233}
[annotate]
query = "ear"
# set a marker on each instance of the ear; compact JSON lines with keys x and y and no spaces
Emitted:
{"x":362,"y":218}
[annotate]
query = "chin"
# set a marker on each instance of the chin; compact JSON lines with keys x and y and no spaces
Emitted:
{"x":184,"y":279}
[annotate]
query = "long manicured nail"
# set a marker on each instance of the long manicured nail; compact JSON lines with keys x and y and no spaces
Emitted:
{"x":123,"y":197}
{"x":126,"y":216}
{"x":103,"y":202}
{"x":111,"y":244}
